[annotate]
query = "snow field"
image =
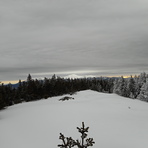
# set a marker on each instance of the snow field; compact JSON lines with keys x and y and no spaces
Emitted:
{"x":114,"y":121}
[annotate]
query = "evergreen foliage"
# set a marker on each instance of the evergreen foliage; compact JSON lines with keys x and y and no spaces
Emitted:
{"x":69,"y":142}
{"x":120,"y":87}
{"x":144,"y":92}
{"x":34,"y":89}
{"x":135,"y":88}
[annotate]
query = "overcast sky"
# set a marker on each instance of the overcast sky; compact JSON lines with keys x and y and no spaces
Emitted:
{"x":84,"y":37}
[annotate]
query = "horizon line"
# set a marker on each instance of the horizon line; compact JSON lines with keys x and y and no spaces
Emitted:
{"x":17,"y":81}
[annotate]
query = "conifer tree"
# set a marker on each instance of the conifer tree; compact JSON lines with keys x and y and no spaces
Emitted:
{"x":2,"y":102}
{"x":131,"y":88}
{"x":69,"y":142}
{"x":144,"y":92}
{"x":120,"y":87}
{"x":29,"y":78}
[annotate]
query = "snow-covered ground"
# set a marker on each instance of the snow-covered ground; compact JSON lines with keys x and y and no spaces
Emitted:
{"x":114,"y":121}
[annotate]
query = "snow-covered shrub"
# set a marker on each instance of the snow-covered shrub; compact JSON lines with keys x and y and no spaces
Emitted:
{"x":66,"y":98}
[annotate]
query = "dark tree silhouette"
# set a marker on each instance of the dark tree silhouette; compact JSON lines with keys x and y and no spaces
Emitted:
{"x":69,"y":142}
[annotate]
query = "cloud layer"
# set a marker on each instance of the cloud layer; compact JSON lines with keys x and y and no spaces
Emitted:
{"x":77,"y":36}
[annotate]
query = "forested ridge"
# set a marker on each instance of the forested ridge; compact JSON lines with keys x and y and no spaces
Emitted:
{"x":33,"y":89}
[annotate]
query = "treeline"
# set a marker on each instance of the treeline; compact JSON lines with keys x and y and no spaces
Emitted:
{"x":34,"y":89}
{"x":133,"y":87}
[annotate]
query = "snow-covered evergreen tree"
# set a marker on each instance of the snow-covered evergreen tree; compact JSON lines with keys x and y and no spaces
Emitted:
{"x":120,"y":86}
{"x":116,"y":85}
{"x":137,"y":86}
{"x":142,"y":79}
{"x":139,"y":83}
{"x":144,"y":91}
{"x":131,"y":92}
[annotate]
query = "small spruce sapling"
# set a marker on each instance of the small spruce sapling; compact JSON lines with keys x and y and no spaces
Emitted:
{"x":68,"y":142}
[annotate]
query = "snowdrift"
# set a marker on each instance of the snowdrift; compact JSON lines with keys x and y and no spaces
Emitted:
{"x":114,"y":121}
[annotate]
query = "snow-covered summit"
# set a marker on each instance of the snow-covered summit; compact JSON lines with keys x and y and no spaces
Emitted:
{"x":114,"y":121}
{"x":74,"y":76}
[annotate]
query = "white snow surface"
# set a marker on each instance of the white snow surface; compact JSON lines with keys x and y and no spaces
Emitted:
{"x":114,"y":121}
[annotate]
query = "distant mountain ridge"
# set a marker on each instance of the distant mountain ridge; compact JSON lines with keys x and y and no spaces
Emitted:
{"x":72,"y":76}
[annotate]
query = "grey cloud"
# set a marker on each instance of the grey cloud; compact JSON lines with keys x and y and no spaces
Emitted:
{"x":52,"y":36}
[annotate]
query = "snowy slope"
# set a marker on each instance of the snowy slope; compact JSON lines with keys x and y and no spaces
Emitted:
{"x":114,"y":121}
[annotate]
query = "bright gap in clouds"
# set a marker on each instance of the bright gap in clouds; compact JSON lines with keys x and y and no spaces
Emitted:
{"x":11,"y":81}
